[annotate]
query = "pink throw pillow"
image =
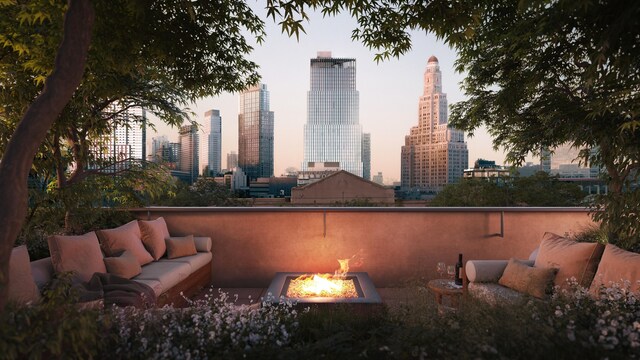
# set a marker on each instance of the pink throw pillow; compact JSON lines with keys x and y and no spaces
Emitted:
{"x":154,"y":233}
{"x":80,"y":254}
{"x":22,"y":287}
{"x":126,"y":265}
{"x":571,"y":258}
{"x":181,"y":246}
{"x":616,"y":266}
{"x":125,"y":237}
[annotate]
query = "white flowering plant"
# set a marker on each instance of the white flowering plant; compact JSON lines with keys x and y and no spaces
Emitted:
{"x":608,"y":320}
{"x":212,"y":325}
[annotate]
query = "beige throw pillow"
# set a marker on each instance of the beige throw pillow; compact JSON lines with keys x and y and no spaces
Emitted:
{"x":126,"y":265}
{"x":154,"y":233}
{"x":180,"y":246}
{"x":537,"y":282}
{"x":22,"y":287}
{"x":616,"y":266}
{"x":80,"y":254}
{"x":571,"y":258}
{"x":125,"y":237}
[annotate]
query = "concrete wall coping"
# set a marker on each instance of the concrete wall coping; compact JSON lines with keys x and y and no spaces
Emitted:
{"x":248,"y":209}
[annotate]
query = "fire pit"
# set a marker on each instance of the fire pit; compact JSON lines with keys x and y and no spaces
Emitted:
{"x":350,"y":288}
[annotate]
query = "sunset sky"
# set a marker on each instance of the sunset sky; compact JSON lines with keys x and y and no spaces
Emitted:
{"x":389,"y":93}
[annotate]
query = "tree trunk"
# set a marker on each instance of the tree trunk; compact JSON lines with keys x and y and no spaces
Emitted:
{"x":32,"y":129}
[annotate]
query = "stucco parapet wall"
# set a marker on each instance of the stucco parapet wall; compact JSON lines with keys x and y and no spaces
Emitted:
{"x":251,"y":244}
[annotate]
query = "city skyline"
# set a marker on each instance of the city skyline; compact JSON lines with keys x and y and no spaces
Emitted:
{"x":389,"y":92}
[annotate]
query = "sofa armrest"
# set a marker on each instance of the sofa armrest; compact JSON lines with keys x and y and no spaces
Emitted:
{"x":42,"y":271}
{"x":203,"y":244}
{"x":487,"y":270}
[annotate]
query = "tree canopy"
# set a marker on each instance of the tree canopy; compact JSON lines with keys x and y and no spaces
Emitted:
{"x":542,"y":74}
{"x":537,"y":190}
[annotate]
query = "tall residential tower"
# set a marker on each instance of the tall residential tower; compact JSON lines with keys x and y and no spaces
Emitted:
{"x":255,"y":133}
{"x":188,"y":160}
{"x":211,"y":143}
{"x":333,"y":133}
{"x":126,"y":142}
{"x":434,"y":154}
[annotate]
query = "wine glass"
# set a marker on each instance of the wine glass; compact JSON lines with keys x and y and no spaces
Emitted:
{"x":442,"y":268}
{"x":451,"y":271}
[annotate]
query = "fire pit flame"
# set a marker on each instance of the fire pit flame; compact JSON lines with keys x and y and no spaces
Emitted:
{"x":324,"y":285}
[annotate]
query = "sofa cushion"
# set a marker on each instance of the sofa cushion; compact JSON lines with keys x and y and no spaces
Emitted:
{"x":125,"y":237}
{"x":481,"y":271}
{"x":154,"y":233}
{"x":203,"y":244}
{"x":126,"y":265}
{"x":80,"y":254}
{"x":42,"y":271}
{"x":617,"y":266}
{"x":196,"y":261}
{"x":154,"y":284}
{"x":537,"y":282}
{"x":571,"y":258}
{"x":495,"y":294}
{"x":168,"y":273}
{"x":180,"y":246}
{"x":22,"y":288}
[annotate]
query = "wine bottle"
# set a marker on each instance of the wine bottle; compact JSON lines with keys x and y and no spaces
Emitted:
{"x":458,"y":278}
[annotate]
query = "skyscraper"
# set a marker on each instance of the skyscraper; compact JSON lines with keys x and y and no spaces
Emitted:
{"x":255,"y":133}
{"x":333,"y":133}
{"x":126,"y":142}
{"x":189,"y":152}
{"x":211,"y":143}
{"x":366,"y":156}
{"x":157,"y":145}
{"x":232,"y":160}
{"x":434,"y":154}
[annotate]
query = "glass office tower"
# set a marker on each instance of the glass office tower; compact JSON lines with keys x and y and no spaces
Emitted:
{"x":211,"y":143}
{"x":255,"y":133}
{"x":333,"y":133}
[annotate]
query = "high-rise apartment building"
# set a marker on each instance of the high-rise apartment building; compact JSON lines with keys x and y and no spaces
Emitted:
{"x":378,"y":179}
{"x":126,"y":142}
{"x":565,"y":162}
{"x":211,"y":143}
{"x":434,"y":154}
{"x":189,"y":152}
{"x":333,"y":133}
{"x":255,"y":133}
{"x":366,"y":156}
{"x":232,"y":160}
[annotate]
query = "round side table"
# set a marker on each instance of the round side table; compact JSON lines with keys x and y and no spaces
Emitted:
{"x":444,"y":287}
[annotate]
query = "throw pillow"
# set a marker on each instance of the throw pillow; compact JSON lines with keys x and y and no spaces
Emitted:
{"x":125,"y":237}
{"x":180,"y":246}
{"x":154,"y":233}
{"x":22,"y":287}
{"x":125,"y":265}
{"x":571,"y":258}
{"x":537,"y":282}
{"x":80,"y":254}
{"x":616,"y":266}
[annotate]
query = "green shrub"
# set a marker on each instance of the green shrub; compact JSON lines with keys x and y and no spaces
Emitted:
{"x":53,"y":328}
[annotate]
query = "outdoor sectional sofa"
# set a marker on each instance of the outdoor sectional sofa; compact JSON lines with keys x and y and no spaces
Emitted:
{"x":549,"y":267}
{"x":142,"y":251}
